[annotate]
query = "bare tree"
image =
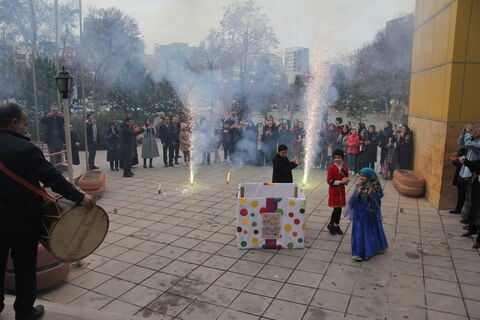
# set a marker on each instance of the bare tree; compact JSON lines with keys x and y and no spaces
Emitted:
{"x":247,"y":36}
{"x":109,"y":39}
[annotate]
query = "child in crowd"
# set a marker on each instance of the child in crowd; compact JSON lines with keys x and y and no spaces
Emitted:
{"x":368,"y":236}
{"x":185,"y":143}
{"x":282,"y":167}
{"x":337,"y":178}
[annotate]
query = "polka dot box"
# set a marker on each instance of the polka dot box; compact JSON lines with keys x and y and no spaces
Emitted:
{"x":270,"y":216}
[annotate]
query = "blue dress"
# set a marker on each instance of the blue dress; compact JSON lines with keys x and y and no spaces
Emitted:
{"x":368,"y":237}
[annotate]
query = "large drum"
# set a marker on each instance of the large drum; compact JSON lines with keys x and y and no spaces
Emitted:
{"x":72,"y":232}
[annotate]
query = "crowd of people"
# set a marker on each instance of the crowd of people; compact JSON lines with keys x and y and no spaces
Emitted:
{"x":467,"y":162}
{"x":360,"y":145}
{"x":241,"y":142}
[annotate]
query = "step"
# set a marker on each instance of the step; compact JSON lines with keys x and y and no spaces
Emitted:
{"x":58,"y":311}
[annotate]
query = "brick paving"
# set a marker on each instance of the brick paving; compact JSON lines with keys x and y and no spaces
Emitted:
{"x":173,"y":256}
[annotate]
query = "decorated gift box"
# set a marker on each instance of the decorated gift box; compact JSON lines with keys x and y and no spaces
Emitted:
{"x":270,"y":216}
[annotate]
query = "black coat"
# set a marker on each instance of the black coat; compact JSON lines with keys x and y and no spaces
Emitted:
{"x":282,"y":170}
{"x":165,"y":133}
{"x":370,"y":153}
{"x":175,"y":132}
{"x":20,"y":208}
{"x":51,"y":123}
{"x":405,"y":150}
{"x":114,"y":152}
{"x":75,"y":156}
{"x":285,"y":137}
{"x":383,"y":136}
{"x":89,"y":129}
{"x":458,"y":165}
{"x":128,"y":143}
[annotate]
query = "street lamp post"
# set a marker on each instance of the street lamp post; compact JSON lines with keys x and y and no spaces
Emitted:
{"x":64,"y":84}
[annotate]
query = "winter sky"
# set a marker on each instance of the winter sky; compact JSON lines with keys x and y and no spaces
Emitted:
{"x":346,"y":24}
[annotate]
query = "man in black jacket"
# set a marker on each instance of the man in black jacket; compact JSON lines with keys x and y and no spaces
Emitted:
{"x":20,"y":208}
{"x":166,"y":132}
{"x":92,"y":140}
{"x":282,"y":167}
{"x":55,"y":135}
{"x":128,"y":146}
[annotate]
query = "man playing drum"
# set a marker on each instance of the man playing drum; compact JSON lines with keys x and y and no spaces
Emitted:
{"x":20,"y":207}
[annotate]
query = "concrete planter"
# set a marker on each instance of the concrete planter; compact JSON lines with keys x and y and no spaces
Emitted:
{"x":408,"y":183}
{"x":50,"y":271}
{"x":92,"y":182}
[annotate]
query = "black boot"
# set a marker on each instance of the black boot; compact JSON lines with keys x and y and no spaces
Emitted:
{"x":338,"y":230}
{"x":151,"y":163}
{"x":37,"y":313}
{"x":144,"y":163}
{"x":332,"y":229}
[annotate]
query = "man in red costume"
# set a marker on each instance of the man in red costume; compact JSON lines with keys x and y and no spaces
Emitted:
{"x":337,"y":178}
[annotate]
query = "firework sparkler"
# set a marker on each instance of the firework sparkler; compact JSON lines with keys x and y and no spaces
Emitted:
{"x":316,"y":103}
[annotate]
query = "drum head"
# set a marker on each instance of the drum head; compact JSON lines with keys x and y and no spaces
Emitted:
{"x":77,"y":233}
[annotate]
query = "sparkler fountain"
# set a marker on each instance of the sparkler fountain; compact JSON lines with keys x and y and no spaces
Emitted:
{"x":316,"y":104}
{"x":191,"y":103}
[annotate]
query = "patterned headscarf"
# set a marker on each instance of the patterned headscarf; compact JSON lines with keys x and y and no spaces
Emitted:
{"x":372,"y":181}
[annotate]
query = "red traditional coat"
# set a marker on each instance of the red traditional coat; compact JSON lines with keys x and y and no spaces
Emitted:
{"x":336,"y":194}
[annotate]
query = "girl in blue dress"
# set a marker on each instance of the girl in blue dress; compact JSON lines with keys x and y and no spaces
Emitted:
{"x":368,"y":237}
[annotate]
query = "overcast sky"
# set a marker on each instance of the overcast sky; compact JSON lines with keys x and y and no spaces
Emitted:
{"x":346,"y":23}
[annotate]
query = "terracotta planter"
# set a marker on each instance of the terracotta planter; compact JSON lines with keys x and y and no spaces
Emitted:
{"x":408,"y":183}
{"x":50,"y":271}
{"x":92,"y":182}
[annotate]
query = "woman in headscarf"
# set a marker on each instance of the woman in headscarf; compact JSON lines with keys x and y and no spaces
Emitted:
{"x":368,"y":237}
{"x":114,"y":152}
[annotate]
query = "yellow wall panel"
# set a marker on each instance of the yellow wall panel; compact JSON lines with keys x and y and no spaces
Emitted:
{"x":441,"y":4}
{"x":424,"y":94}
{"x":437,"y":93}
{"x":429,"y":9}
{"x":419,"y":12}
{"x":414,"y":89}
{"x":416,"y":57}
{"x":471,"y":94}
{"x":473,"y":46}
{"x":464,"y":8}
{"x":452,"y":23}
{"x":425,"y":46}
{"x":440,"y":38}
{"x":454,"y":91}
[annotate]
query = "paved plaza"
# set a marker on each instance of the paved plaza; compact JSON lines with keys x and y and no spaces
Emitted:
{"x":173,"y":256}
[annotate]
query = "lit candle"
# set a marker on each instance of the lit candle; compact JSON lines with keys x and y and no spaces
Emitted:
{"x":228,"y":177}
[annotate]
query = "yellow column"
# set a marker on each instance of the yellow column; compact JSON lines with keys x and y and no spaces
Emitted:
{"x":444,"y":90}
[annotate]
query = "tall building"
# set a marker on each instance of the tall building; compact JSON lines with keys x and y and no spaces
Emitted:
{"x":296,"y":62}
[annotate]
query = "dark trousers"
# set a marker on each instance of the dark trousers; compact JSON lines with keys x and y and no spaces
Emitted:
{"x":23,"y":249}
{"x":145,"y":162}
{"x":226,"y":149}
{"x":383,"y":155}
{"x":186,"y":156}
{"x":462,"y":193}
{"x":206,"y":158}
{"x":170,"y":149}
{"x":176,"y":150}
{"x":55,"y":145}
{"x":114,"y":164}
{"x":127,"y":164}
{"x":352,"y":162}
{"x":92,"y":151}
{"x":335,"y":217}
